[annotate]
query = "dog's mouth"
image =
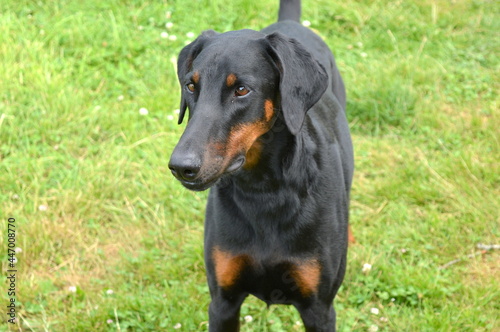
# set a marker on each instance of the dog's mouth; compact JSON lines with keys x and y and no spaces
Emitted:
{"x":198,"y":185}
{"x":205,"y":182}
{"x":235,"y":165}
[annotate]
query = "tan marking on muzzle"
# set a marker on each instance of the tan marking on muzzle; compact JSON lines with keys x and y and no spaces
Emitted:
{"x":244,"y":137}
{"x":268,"y":110}
{"x":253,"y":155}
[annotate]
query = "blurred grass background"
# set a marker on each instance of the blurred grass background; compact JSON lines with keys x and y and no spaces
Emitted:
{"x":110,"y":242}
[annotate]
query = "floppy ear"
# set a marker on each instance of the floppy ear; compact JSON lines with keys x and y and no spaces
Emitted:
{"x":303,"y":79}
{"x":185,"y":63}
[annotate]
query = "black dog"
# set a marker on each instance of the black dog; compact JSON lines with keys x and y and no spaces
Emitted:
{"x":268,"y":132}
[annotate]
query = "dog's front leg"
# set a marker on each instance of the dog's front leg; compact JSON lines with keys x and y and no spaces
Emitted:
{"x":224,"y":313}
{"x":318,"y":317}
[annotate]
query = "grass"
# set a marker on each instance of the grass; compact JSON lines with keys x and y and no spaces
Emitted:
{"x":85,"y":174}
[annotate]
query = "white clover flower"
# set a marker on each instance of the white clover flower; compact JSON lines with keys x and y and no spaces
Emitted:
{"x":140,"y":28}
{"x":43,"y":207}
{"x":72,"y":289}
{"x":164,"y":34}
{"x":120,"y":98}
{"x":363,"y":54}
{"x":18,"y":250}
{"x":143,"y":111}
{"x":109,"y":292}
{"x":373,"y":328}
{"x":306,"y":23}
{"x":248,"y":318}
{"x":177,"y":326}
{"x":177,"y":111}
{"x":172,"y":37}
{"x":374,"y":311}
{"x":170,"y":117}
{"x":169,"y":25}
{"x":384,"y":319}
{"x":366,"y":268}
{"x":109,"y":321}
{"x":190,"y":34}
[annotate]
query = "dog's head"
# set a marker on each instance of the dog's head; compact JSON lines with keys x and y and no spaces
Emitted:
{"x":234,"y":85}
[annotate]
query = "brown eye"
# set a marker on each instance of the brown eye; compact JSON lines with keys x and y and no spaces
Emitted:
{"x":241,"y":91}
{"x":190,"y":87}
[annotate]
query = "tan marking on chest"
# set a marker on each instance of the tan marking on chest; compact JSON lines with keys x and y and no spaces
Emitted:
{"x":307,"y":275}
{"x":228,"y":267}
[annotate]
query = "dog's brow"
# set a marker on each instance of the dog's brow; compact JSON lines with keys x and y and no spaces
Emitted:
{"x":230,"y":80}
{"x":196,"y":77}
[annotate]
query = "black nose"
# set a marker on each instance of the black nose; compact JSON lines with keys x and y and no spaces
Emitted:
{"x":184,"y":168}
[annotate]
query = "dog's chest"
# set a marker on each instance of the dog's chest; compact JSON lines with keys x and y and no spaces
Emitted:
{"x":272,"y":279}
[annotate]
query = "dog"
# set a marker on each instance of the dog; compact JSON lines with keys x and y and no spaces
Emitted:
{"x":268,"y":134}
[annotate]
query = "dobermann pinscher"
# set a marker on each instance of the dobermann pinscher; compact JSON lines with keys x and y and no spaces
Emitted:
{"x":267,"y":132}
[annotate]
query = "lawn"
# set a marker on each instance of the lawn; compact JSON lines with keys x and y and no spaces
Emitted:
{"x":109,"y":241}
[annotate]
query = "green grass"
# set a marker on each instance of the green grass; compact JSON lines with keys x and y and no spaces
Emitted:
{"x":422,"y":79}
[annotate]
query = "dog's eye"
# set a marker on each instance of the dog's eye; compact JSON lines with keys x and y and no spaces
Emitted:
{"x":191,"y":88}
{"x":241,"y":91}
